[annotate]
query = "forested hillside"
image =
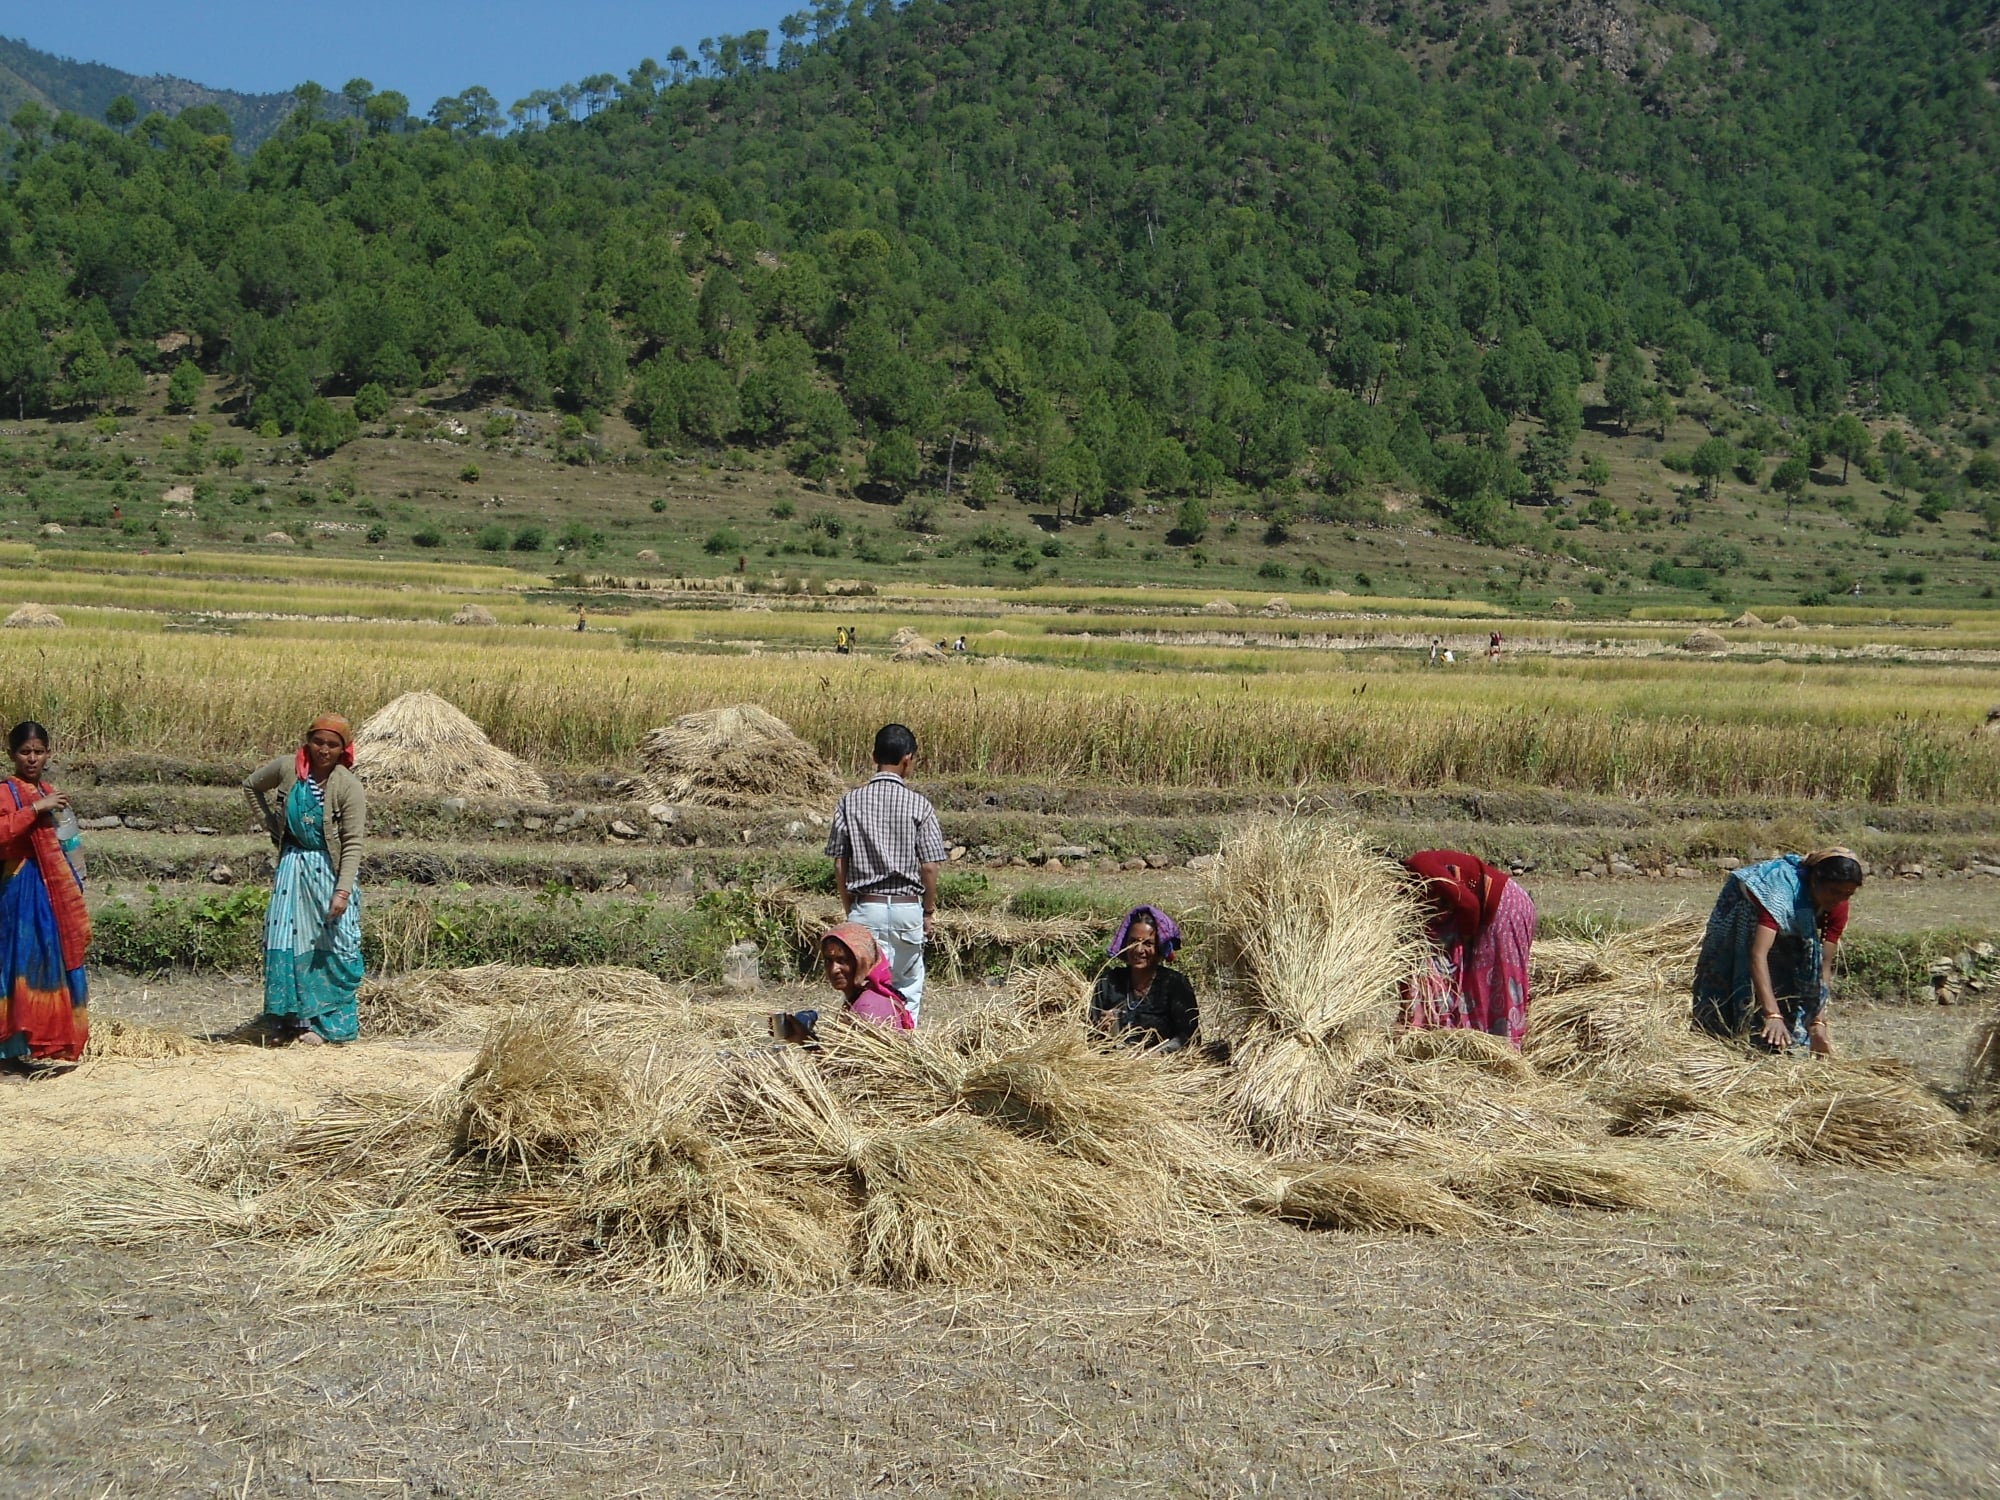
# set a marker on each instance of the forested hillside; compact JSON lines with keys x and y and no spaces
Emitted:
{"x":1086,"y":249}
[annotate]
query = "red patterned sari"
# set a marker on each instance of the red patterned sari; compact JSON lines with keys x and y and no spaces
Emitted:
{"x":44,"y":934}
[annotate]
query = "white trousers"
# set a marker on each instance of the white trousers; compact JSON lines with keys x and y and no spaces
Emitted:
{"x":899,"y":928}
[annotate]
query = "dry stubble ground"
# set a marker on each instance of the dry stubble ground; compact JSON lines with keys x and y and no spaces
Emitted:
{"x":1839,"y":1337}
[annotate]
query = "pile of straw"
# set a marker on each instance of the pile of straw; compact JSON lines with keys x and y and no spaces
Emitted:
{"x":920,"y":650}
{"x":34,"y":617}
{"x":1613,"y":1021}
{"x":1748,"y":620}
{"x":473,"y":614}
{"x":1705,"y":642}
{"x":115,"y":1036}
{"x":976,"y":1154}
{"x":429,"y":1002}
{"x":1219,"y":607}
{"x":739,"y":756}
{"x":421,"y":743}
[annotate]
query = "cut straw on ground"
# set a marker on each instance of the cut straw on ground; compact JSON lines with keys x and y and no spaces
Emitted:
{"x":613,"y":1126}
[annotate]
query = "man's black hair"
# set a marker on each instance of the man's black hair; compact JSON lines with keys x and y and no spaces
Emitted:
{"x":892,"y":743}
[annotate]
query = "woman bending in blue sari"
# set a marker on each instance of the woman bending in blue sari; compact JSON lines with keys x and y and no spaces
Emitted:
{"x":1766,"y":962}
{"x":312,"y":932}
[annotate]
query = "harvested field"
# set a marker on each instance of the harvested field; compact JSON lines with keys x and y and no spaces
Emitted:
{"x":1361,"y":1362}
{"x":611,"y":1127}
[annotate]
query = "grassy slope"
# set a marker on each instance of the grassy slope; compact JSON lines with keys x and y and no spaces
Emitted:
{"x":415,"y":482}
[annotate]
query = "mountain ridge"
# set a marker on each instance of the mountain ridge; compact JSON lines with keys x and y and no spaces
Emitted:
{"x":64,"y":85}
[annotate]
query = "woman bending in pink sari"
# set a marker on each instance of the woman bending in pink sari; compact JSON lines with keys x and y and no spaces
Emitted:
{"x":1481,"y":925}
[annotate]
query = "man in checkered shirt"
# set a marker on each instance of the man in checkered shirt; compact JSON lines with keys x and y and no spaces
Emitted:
{"x":886,"y":850}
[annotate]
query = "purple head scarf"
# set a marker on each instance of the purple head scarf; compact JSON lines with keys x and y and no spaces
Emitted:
{"x":1168,"y":930}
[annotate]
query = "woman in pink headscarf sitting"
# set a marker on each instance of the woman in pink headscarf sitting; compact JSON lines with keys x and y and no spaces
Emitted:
{"x":857,"y":967}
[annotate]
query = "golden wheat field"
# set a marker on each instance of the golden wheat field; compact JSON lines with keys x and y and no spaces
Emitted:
{"x":224,"y":656}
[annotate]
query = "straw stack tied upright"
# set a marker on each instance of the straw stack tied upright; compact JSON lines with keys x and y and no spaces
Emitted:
{"x":1313,"y":934}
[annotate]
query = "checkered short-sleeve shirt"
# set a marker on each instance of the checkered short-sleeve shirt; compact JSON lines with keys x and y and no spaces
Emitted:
{"x":886,"y":833}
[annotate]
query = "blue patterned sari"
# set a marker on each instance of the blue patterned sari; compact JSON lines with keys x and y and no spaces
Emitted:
{"x":1725,"y":1000}
{"x":312,"y":967}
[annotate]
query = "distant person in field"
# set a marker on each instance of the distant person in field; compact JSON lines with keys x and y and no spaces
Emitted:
{"x":312,"y":931}
{"x":843,"y":639}
{"x":44,"y":928}
{"x":1437,"y":645}
{"x":1143,"y":1001}
{"x":886,"y":848}
{"x":959,"y":644}
{"x":1481,"y":925}
{"x":1493,"y":646}
{"x":1766,"y":967}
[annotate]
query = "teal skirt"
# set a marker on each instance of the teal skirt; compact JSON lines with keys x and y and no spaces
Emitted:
{"x":312,"y":967}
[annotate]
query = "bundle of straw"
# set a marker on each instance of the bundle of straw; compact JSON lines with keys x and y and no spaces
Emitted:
{"x":1312,"y":935}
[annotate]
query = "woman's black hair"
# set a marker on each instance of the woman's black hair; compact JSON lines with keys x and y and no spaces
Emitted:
{"x":1836,"y":869}
{"x":27,"y":730}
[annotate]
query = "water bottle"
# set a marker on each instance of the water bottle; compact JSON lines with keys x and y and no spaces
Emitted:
{"x":71,"y":838}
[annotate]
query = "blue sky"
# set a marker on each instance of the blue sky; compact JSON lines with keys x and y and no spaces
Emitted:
{"x":423,"y":47}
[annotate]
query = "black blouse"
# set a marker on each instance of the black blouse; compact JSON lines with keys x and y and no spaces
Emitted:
{"x":1166,"y":1013}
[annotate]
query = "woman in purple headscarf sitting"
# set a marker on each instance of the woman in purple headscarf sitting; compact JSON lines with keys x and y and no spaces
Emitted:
{"x":1141,"y":1000}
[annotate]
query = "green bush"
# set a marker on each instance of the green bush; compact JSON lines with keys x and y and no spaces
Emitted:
{"x":218,"y":933}
{"x":493,"y":538}
{"x":371,"y":403}
{"x":528,"y":539}
{"x":429,"y":536}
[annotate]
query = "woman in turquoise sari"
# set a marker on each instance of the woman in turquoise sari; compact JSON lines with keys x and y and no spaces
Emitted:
{"x":312,"y":932}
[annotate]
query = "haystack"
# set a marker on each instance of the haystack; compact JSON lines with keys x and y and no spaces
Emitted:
{"x":920,"y":651}
{"x":1787,"y":622}
{"x":473,"y":614}
{"x":1277,"y":606}
{"x":739,"y":756}
{"x":1611,"y":1018}
{"x":34,"y":617}
{"x":1219,"y":607}
{"x":277,"y":539}
{"x":1705,"y":642}
{"x":1746,"y":621}
{"x":904,"y":635}
{"x":421,"y":743}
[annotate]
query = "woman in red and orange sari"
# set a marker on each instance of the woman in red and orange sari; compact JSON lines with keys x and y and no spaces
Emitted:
{"x":44,"y":929}
{"x":1481,"y":925}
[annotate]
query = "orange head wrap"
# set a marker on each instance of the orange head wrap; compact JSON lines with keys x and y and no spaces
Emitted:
{"x":339,"y":726}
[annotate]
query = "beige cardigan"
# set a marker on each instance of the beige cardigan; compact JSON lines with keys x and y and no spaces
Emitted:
{"x":346,"y":812}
